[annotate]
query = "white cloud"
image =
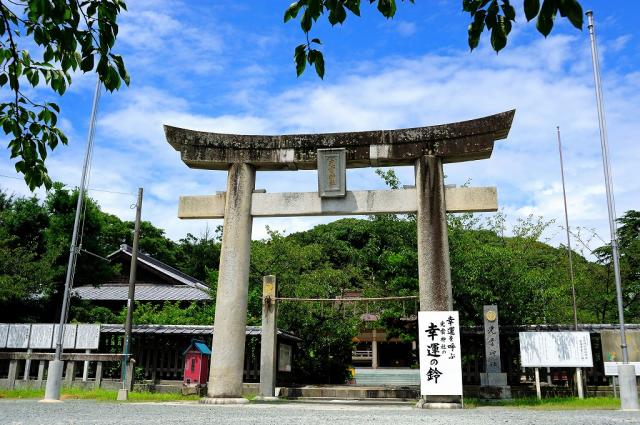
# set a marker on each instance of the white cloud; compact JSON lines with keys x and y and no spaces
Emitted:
{"x":549,"y":82}
{"x":405,"y":28}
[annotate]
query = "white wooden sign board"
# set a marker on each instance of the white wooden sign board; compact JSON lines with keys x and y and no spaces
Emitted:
{"x":18,"y":336}
{"x":4,"y":332}
{"x":41,"y":336}
{"x":88,"y":337}
{"x":611,"y":368}
{"x":68,"y":337}
{"x":555,"y":349}
{"x":440,"y":360}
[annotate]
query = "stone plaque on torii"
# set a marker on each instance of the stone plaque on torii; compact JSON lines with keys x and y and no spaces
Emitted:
{"x":426,"y":148}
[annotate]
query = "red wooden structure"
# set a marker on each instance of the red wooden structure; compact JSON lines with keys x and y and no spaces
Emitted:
{"x":196,"y":364}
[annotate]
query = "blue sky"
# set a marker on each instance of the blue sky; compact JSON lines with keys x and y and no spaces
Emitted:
{"x":227,"y":66}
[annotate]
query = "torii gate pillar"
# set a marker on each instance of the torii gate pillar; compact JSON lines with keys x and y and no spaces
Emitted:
{"x":227,"y":360}
{"x":434,"y":271}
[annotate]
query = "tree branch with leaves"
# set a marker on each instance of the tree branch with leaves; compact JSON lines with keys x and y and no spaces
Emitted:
{"x":69,"y":35}
{"x":494,"y":16}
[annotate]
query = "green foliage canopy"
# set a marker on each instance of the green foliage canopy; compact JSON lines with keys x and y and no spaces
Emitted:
{"x":69,"y":35}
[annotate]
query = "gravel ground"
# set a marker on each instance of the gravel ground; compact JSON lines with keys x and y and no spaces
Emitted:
{"x":91,"y":412}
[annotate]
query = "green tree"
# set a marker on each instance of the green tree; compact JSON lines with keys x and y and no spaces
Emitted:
{"x":68,"y":35}
{"x":628,"y":235}
{"x":304,"y":270}
{"x":494,"y":16}
{"x":173,"y":313}
{"x":199,"y":256}
{"x":27,"y":270}
{"x":61,"y":205}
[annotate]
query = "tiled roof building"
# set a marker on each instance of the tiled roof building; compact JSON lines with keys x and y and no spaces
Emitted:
{"x":156,"y":281}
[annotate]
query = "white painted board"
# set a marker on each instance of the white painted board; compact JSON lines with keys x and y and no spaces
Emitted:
{"x":68,"y":337}
{"x":87,"y":337}
{"x":611,"y":368}
{"x":41,"y":336}
{"x":555,"y":349}
{"x":18,"y":336}
{"x":440,"y":360}
{"x":4,"y":332}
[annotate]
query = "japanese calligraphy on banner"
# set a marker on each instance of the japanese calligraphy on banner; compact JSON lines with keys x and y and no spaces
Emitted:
{"x":555,"y":349}
{"x":440,"y":363}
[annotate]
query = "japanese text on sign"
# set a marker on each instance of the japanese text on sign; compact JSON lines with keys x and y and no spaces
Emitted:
{"x":440,"y":365}
{"x":555,"y":349}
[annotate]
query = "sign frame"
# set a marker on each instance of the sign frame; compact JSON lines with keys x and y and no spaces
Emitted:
{"x":555,"y":349}
{"x":437,"y":362}
{"x":332,"y":172}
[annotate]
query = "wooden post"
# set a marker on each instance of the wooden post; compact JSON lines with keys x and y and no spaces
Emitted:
{"x":155,"y":364}
{"x":85,"y":369}
{"x":98,"y":382}
{"x":374,"y":350}
{"x":27,"y":366}
{"x":128,"y":324}
{"x":70,"y":373}
{"x":40,"y":372}
{"x":579,"y":383}
{"x":615,"y":387}
{"x":129,"y":380}
{"x":13,"y":372}
{"x":268,"y":338}
{"x":538,"y":390}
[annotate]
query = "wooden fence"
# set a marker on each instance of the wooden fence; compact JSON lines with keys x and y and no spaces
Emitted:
{"x":19,"y":367}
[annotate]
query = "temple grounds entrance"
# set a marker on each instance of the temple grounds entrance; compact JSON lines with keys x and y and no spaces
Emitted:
{"x":426,"y":148}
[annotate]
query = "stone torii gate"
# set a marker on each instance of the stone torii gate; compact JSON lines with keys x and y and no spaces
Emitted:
{"x":426,"y":148}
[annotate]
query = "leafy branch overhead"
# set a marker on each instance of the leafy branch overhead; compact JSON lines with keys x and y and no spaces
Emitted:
{"x":496,"y":16}
{"x":69,"y":35}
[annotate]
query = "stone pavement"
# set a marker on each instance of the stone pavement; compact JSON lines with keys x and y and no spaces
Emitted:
{"x":282,"y":413}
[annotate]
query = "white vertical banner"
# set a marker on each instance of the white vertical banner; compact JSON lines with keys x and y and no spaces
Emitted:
{"x":440,"y":362}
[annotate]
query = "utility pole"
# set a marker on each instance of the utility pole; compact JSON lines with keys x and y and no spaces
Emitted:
{"x":54,"y":372}
{"x":626,"y":372}
{"x":573,"y":286}
{"x":124,"y":392}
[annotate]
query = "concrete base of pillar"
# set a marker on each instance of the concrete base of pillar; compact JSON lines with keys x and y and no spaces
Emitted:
{"x":495,"y":393}
{"x":493,"y":379}
{"x":123,"y":395}
{"x":439,"y":402}
{"x":44,"y":400}
{"x":493,"y":386}
{"x":423,"y":404}
{"x":266,"y":398}
{"x":628,"y":387}
{"x":54,"y":381}
{"x":210,"y":400}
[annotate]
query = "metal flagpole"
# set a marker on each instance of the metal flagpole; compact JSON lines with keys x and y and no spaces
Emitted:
{"x":626,"y":372}
{"x":573,"y":286}
{"x":54,"y":372}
